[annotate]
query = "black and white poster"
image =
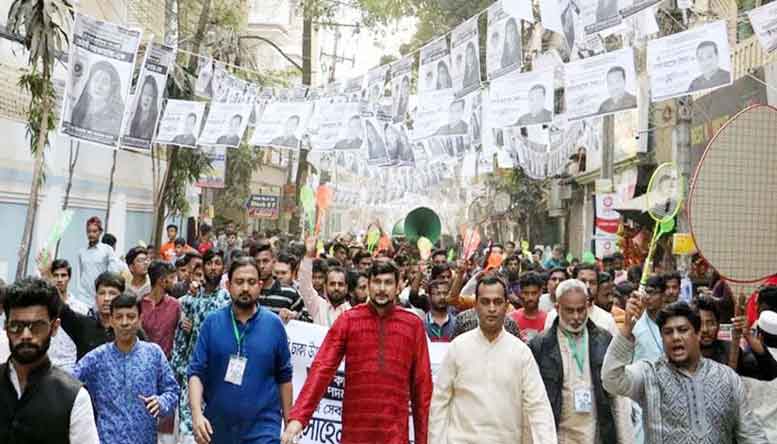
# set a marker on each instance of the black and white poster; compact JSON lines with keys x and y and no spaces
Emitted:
{"x":375,"y":91}
{"x":353,"y":89}
{"x":203,"y":87}
{"x":475,"y":109}
{"x":398,"y":148}
{"x":764,"y":21}
{"x":688,"y":62}
{"x":600,"y":15}
{"x":465,"y":55}
{"x":434,"y":71}
{"x":282,"y":124}
{"x":601,"y":85}
{"x":225,"y":125}
{"x":563,"y":17}
{"x":375,"y":141}
{"x":221,"y":82}
{"x":181,"y":123}
{"x":339,"y":125}
{"x":401,"y":78}
{"x":521,"y":99}
{"x":504,"y":46}
{"x":520,"y":9}
{"x":143,"y":115}
{"x":102,"y":59}
{"x":629,"y":8}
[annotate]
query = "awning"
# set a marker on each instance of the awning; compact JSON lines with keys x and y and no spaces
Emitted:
{"x":636,"y":209}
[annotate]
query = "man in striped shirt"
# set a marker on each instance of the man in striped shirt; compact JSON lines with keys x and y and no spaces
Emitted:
{"x":282,"y":300}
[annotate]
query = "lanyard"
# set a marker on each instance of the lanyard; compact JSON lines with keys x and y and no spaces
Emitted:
{"x":579,"y":355}
{"x":239,"y":337}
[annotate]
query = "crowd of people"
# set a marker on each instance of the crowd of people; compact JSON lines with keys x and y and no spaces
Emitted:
{"x":187,"y":343}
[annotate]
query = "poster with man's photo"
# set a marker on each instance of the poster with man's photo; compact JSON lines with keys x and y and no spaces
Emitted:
{"x":282,"y":124}
{"x":601,"y":85}
{"x":465,"y":55}
{"x":339,"y":125}
{"x":203,"y":87}
{"x":225,"y":125}
{"x":143,"y":115}
{"x":401,"y":79}
{"x":764,"y":21}
{"x":375,"y":92}
{"x":688,"y":62}
{"x":214,"y":177}
{"x":600,"y":15}
{"x":375,"y":143}
{"x":504,"y":45}
{"x":102,"y":59}
{"x":181,"y":122}
{"x":434,"y":70}
{"x":521,"y":99}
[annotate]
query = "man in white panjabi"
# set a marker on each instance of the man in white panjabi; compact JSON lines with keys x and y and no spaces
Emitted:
{"x":489,"y":389}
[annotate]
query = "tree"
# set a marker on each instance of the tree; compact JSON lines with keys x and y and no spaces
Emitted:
{"x":241,"y":163}
{"x":41,"y":23}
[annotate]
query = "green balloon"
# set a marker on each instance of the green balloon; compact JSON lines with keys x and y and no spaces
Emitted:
{"x":588,"y":258}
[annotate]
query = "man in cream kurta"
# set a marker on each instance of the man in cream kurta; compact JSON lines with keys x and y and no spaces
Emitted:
{"x":489,"y":388}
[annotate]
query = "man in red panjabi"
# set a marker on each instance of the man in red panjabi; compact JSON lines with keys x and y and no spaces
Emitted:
{"x":388,"y":367}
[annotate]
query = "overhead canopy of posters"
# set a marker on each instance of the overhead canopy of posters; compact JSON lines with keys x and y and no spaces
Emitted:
{"x":102,"y":59}
{"x":180,"y":123}
{"x":225,"y":125}
{"x":143,"y":115}
{"x":688,"y":62}
{"x":215,"y":176}
{"x":504,"y":46}
{"x":601,"y":85}
{"x":282,"y":124}
{"x":465,"y":54}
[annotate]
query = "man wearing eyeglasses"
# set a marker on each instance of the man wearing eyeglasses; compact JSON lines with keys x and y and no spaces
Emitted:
{"x":39,"y":403}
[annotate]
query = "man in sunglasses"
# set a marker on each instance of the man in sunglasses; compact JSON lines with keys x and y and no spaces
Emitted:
{"x":39,"y":402}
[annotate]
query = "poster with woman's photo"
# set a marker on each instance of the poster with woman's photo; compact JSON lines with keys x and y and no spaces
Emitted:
{"x":203,"y":87}
{"x":601,"y":85}
{"x":600,"y":15}
{"x":181,"y":122}
{"x":401,"y":78}
{"x":225,"y":125}
{"x":282,"y":124}
{"x":465,"y":56}
{"x":434,"y":70}
{"x":503,"y":47}
{"x":521,"y":99}
{"x":375,"y":91}
{"x":143,"y":114}
{"x":764,"y":21}
{"x":339,"y":125}
{"x":375,"y":141}
{"x":214,"y":177}
{"x":688,"y":62}
{"x":398,"y":148}
{"x":102,"y":59}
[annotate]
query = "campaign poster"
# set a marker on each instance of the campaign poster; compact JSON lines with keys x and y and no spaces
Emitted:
{"x":398,"y":149}
{"x":689,"y":62}
{"x":225,"y":125}
{"x":221,"y":82}
{"x":600,"y":15}
{"x":607,"y":221}
{"x":282,"y":124}
{"x":520,"y":9}
{"x":143,"y":115}
{"x":203,"y":87}
{"x":521,"y":99}
{"x":375,"y":141}
{"x":632,"y":7}
{"x":401,"y":79}
{"x":764,"y":21}
{"x":434,"y":69}
{"x":375,"y":91}
{"x":181,"y":122}
{"x":354,"y":89}
{"x":465,"y":55}
{"x":102,"y":59}
{"x":563,"y":17}
{"x":601,"y":85}
{"x":504,"y":46}
{"x":339,"y":125}
{"x":531,"y":151}
{"x":565,"y":137}
{"x":475,"y":112}
{"x":214,"y":177}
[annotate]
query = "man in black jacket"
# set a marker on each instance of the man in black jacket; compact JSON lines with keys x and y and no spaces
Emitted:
{"x":39,"y":403}
{"x":570,"y":356}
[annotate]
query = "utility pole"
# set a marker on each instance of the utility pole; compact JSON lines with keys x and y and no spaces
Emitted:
{"x":682,"y":139}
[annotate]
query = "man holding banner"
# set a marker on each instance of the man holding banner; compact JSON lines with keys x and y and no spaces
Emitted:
{"x":388,"y":368}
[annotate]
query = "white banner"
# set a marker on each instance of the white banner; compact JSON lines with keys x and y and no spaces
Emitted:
{"x":282,"y":124}
{"x":687,"y":62}
{"x":504,"y":47}
{"x":225,"y":125}
{"x":466,"y":57}
{"x":764,"y":21}
{"x":601,"y":85}
{"x":102,"y":58}
{"x":325,"y":426}
{"x":521,"y":99}
{"x":181,"y":122}
{"x":143,"y":115}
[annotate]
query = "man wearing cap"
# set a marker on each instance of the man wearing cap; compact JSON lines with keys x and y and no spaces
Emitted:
{"x":760,"y":395}
{"x":93,"y":261}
